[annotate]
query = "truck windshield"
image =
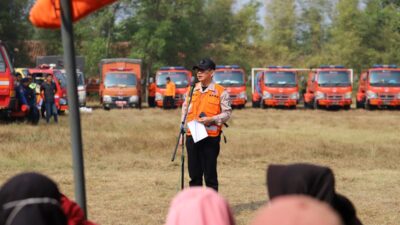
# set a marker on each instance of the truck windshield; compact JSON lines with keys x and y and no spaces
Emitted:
{"x":120,"y":80}
{"x":280,"y":79}
{"x":333,"y":78}
{"x":80,"y":80}
{"x":39,"y":78}
{"x":229,"y":78}
{"x":2,"y":63}
{"x":61,"y":79}
{"x":180,"y":79}
{"x":385,"y":78}
{"x":4,"y":60}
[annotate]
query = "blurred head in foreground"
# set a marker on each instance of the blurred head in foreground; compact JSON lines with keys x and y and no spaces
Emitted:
{"x":296,"y":210}
{"x":311,"y":180}
{"x":199,"y":206}
{"x":30,"y":198}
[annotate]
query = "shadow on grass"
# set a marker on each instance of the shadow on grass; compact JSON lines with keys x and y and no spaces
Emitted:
{"x":250,"y":206}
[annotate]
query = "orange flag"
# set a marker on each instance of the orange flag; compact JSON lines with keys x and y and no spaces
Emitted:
{"x":47,"y":13}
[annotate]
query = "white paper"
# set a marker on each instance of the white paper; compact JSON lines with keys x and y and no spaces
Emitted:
{"x":198,"y":130}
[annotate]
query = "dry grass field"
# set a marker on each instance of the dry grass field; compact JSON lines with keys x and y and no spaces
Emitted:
{"x":131,"y":180}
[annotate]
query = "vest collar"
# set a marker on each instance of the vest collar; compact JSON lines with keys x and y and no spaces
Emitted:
{"x":211,"y":87}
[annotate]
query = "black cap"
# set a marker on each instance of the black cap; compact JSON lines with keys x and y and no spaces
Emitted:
{"x":205,"y":64}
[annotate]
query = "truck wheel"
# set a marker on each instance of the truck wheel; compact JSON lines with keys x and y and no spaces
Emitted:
{"x":347,"y":107}
{"x":263,"y":106}
{"x":106,"y":107}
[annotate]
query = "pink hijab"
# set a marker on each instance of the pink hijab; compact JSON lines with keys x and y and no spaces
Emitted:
{"x":296,"y":210}
{"x":199,"y":206}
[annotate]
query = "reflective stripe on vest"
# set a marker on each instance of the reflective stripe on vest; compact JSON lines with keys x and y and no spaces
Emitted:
{"x":208,"y":102}
{"x":32,"y":86}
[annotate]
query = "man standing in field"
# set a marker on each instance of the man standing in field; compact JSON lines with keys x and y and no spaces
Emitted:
{"x":152,"y":93}
{"x":169,"y":94}
{"x":210,"y":106}
{"x":48,"y":90}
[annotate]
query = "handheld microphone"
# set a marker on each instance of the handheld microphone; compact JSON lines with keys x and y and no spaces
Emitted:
{"x":194,"y":80}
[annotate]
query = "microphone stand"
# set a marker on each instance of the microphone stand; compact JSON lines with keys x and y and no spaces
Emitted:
{"x":181,"y":136}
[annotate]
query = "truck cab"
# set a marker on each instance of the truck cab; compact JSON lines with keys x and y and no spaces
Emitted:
{"x":233,"y":79}
{"x":275,"y":86}
{"x":120,"y":85}
{"x":81,"y":86}
{"x":379,"y":87}
{"x":39,"y":76}
{"x":7,"y":92}
{"x":329,"y":87}
{"x":181,"y":78}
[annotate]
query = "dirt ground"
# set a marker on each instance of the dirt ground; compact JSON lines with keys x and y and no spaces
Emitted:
{"x":131,"y":180}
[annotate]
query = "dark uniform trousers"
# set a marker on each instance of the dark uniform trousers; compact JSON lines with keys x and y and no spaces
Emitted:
{"x":168,"y":102}
{"x":151,"y":101}
{"x":202,"y":160}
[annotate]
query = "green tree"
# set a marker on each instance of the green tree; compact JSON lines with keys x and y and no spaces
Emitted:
{"x":380,"y":37}
{"x":344,"y":46}
{"x":14,"y":27}
{"x":167,"y":32}
{"x":279,"y":46}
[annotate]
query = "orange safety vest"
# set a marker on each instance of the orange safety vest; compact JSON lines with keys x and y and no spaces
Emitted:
{"x":152,"y":90}
{"x":208,"y":102}
{"x":170,"y":89}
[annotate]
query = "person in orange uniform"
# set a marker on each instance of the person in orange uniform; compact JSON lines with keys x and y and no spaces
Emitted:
{"x":169,"y":95}
{"x":211,"y":106}
{"x":152,"y":93}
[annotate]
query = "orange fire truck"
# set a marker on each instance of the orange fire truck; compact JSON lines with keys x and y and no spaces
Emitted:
{"x":39,"y":76}
{"x":233,"y":78}
{"x":10,"y":106}
{"x":180,"y":76}
{"x":120,"y":83}
{"x":7,"y":92}
{"x":379,"y":87}
{"x":275,"y":86}
{"x":329,"y":87}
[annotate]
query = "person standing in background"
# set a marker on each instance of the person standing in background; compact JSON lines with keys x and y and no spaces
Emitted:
{"x":169,"y":95}
{"x":48,"y":90}
{"x":152,"y":93}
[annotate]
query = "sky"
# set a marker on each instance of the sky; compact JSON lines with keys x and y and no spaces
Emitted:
{"x":261,"y":12}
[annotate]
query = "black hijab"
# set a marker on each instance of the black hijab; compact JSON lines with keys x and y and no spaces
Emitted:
{"x":30,"y":198}
{"x":311,"y":180}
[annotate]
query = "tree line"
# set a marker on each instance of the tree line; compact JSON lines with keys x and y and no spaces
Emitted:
{"x":301,"y":33}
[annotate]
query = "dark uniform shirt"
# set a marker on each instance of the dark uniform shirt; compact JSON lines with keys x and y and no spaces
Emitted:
{"x":49,"y":91}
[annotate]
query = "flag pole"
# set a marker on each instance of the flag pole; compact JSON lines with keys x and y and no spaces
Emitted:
{"x":74,"y":115}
